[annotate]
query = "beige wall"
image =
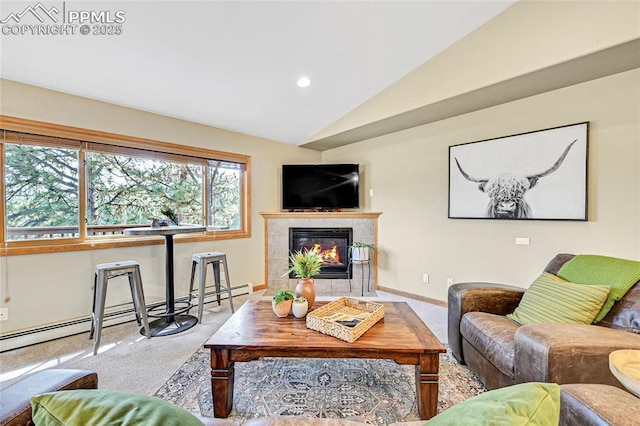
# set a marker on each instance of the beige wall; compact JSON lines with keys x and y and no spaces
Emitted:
{"x":408,"y":172}
{"x":529,"y":36}
{"x":50,"y":288}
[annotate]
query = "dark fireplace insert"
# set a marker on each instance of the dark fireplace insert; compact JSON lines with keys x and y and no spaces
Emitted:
{"x":331,"y":244}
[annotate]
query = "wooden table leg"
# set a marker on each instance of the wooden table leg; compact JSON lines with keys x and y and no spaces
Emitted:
{"x":427,"y":385}
{"x":222,"y":374}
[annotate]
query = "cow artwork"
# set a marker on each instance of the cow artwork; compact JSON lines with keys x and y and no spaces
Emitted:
{"x":506,"y":191}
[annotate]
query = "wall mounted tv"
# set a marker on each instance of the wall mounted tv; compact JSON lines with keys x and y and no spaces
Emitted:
{"x":320,"y":186}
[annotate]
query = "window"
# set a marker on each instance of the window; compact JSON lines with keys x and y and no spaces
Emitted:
{"x":128,"y":190}
{"x":42,"y":192}
{"x":122,"y":183}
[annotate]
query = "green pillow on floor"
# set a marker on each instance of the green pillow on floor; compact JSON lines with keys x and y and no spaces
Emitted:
{"x":102,"y":407}
{"x":524,"y":404}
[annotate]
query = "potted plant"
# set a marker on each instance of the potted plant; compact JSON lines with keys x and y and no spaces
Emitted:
{"x":360,"y":252}
{"x":300,"y":307}
{"x":305,"y":264}
{"x":171,"y":214}
{"x":282,"y":301}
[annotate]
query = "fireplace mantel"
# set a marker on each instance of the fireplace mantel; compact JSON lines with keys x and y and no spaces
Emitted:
{"x":340,"y":215}
{"x":276,"y":231}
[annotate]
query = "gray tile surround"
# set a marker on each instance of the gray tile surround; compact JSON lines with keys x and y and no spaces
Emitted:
{"x":364,"y":229}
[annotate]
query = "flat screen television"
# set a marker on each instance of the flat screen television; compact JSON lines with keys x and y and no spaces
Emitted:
{"x":320,"y":186}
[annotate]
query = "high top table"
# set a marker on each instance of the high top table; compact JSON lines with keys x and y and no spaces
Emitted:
{"x":170,"y":321}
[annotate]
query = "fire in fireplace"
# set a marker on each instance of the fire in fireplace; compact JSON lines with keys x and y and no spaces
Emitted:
{"x":331,"y":244}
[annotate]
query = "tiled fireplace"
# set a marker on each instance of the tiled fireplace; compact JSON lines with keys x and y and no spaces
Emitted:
{"x":328,"y":229}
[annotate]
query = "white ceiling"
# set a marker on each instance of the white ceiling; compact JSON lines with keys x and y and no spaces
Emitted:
{"x":234,"y":64}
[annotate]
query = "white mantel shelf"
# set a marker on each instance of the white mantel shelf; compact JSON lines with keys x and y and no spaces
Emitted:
{"x":346,"y":215}
{"x":276,"y":231}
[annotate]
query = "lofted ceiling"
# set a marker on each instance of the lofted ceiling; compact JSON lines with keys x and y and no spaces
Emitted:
{"x":234,"y":64}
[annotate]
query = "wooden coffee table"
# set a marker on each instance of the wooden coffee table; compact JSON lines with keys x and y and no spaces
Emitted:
{"x":254,"y":331}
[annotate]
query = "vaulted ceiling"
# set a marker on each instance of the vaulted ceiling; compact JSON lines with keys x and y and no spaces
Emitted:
{"x":234,"y":64}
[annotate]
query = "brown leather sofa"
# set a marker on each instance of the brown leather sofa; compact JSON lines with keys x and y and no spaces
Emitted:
{"x":502,"y":353}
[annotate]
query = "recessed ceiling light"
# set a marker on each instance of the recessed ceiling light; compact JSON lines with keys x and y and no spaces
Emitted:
{"x":303,"y":82}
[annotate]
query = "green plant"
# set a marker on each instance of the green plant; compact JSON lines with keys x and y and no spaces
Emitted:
{"x":304,"y":264}
{"x":170,"y":214}
{"x":299,"y":299}
{"x":361,"y":244}
{"x":281,"y":295}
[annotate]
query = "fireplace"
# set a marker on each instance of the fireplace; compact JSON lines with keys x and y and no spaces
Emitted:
{"x":332,"y":244}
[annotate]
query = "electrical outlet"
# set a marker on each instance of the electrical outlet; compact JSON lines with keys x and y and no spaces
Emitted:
{"x":4,"y":314}
{"x":449,"y":281}
{"x":425,"y":278}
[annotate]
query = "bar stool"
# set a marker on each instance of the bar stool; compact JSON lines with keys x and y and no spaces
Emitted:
{"x":104,"y":272}
{"x":201,"y":260}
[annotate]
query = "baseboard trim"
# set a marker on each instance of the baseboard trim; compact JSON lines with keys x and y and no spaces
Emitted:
{"x":59,"y":330}
{"x":413,"y":296}
{"x":260,"y":287}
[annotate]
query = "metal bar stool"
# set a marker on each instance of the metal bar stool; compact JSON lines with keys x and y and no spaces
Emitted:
{"x":104,"y":272}
{"x":201,"y":260}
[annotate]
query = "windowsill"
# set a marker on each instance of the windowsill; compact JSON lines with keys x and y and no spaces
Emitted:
{"x":49,"y":246}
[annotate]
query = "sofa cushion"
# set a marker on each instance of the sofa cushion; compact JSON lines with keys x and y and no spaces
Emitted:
{"x":524,"y":404}
{"x":552,"y":299}
{"x":493,"y":336}
{"x":103,"y":407}
{"x":625,"y":314}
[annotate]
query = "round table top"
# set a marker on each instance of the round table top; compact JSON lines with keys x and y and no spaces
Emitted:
{"x":625,"y":365}
{"x":165,"y":230}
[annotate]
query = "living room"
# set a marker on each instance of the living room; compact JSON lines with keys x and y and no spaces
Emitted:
{"x":406,"y":170}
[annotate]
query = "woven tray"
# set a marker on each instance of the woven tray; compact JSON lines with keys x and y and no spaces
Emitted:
{"x":324,"y":318}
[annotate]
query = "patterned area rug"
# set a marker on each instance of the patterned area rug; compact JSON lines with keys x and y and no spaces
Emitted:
{"x":368,"y":391}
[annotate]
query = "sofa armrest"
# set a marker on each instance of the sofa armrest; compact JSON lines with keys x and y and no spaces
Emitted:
{"x":16,"y":398}
{"x":499,"y":299}
{"x":568,"y":353}
{"x":597,"y":405}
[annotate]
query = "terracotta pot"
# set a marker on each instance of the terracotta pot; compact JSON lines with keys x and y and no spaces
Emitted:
{"x":306,"y":289}
{"x":283,"y":308}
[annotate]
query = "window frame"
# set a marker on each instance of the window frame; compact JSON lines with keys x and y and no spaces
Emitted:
{"x":118,"y":144}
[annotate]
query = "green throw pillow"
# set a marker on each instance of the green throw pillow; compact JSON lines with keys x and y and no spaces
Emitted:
{"x":552,"y":299}
{"x":524,"y":404}
{"x":102,"y":407}
{"x":619,"y":274}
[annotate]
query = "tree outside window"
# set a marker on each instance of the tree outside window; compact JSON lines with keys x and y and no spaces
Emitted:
{"x":133,"y":191}
{"x":41,"y":191}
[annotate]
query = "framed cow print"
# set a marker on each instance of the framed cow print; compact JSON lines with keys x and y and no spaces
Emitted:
{"x":539,"y":175}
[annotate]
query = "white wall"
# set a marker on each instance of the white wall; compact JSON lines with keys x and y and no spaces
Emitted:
{"x":51,"y":288}
{"x":408,"y":172}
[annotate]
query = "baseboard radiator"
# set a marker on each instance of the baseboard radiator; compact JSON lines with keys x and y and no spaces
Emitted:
{"x":59,"y":330}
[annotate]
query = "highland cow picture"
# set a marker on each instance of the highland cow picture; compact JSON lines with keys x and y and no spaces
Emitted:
{"x":539,"y":175}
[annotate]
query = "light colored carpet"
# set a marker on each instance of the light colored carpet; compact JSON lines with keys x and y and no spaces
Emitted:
{"x":126,"y":360}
